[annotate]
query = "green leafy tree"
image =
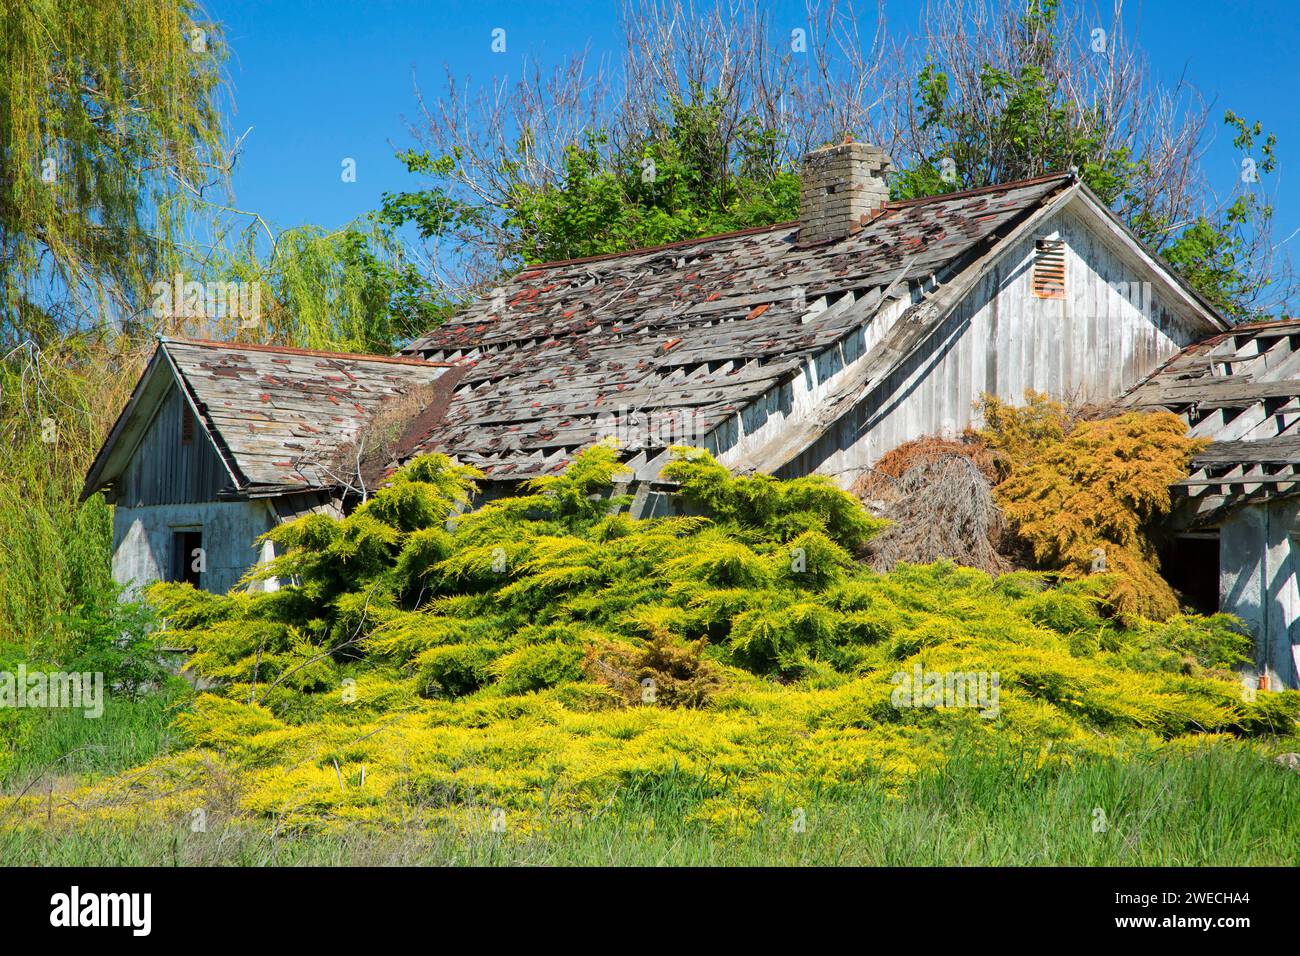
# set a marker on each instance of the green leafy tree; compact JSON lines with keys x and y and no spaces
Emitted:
{"x":684,"y":143}
{"x":1018,"y":118}
{"x":55,"y":568}
{"x":679,"y":181}
{"x":1226,"y":256}
{"x":350,"y":290}
{"x":1032,"y":130}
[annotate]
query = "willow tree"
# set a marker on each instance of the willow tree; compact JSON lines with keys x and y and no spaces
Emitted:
{"x":109,"y":131}
{"x":109,"y":135}
{"x":353,"y":289}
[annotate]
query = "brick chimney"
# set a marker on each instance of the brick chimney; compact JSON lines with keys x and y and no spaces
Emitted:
{"x":838,"y":186}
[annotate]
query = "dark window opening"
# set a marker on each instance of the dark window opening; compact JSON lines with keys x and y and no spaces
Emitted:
{"x":1191,"y":565}
{"x":187,"y":557}
{"x":187,"y":427}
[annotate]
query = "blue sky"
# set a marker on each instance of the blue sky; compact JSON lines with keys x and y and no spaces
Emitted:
{"x":321,"y":81}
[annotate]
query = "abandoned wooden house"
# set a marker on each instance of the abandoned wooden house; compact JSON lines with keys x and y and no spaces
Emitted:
{"x":219,"y":443}
{"x":809,"y":346}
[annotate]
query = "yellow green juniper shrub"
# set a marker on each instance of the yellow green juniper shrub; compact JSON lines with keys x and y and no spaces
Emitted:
{"x":420,"y":665}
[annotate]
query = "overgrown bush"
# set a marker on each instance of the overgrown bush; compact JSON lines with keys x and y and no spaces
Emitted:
{"x":1086,"y":495}
{"x":666,"y":671}
{"x":937,"y":495}
{"x":115,"y":638}
{"x":499,"y":657}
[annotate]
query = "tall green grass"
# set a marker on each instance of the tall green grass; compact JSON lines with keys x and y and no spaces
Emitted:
{"x":1222,"y":805}
{"x":43,"y":748}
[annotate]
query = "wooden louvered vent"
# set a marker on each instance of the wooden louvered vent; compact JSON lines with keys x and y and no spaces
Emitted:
{"x":1049,"y":268}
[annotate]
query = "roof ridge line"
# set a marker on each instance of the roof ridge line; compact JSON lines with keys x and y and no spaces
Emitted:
{"x":978,"y":190}
{"x":311,"y":353}
{"x":675,"y":244}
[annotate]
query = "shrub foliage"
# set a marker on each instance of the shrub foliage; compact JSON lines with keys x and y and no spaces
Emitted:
{"x":420,"y":660}
{"x":1087,"y":495}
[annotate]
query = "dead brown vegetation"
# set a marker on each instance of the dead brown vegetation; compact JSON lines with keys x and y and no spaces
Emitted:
{"x":938,"y":495}
{"x":362,"y":464}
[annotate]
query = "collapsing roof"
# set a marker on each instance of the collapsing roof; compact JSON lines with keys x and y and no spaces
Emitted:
{"x":1242,"y":390}
{"x":695,"y":330}
{"x":697,"y":343}
{"x":277,"y":416}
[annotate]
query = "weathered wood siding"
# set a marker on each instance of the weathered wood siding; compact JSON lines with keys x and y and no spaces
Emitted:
{"x":1258,"y":558}
{"x":1112,"y":328}
{"x":163,"y":471}
{"x":168,"y":487}
{"x":144,"y":538}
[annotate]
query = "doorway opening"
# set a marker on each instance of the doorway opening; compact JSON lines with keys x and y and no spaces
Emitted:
{"x":1190,"y":563}
{"x":187,"y":556}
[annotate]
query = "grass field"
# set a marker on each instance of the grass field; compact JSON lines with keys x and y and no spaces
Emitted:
{"x":39,"y":748}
